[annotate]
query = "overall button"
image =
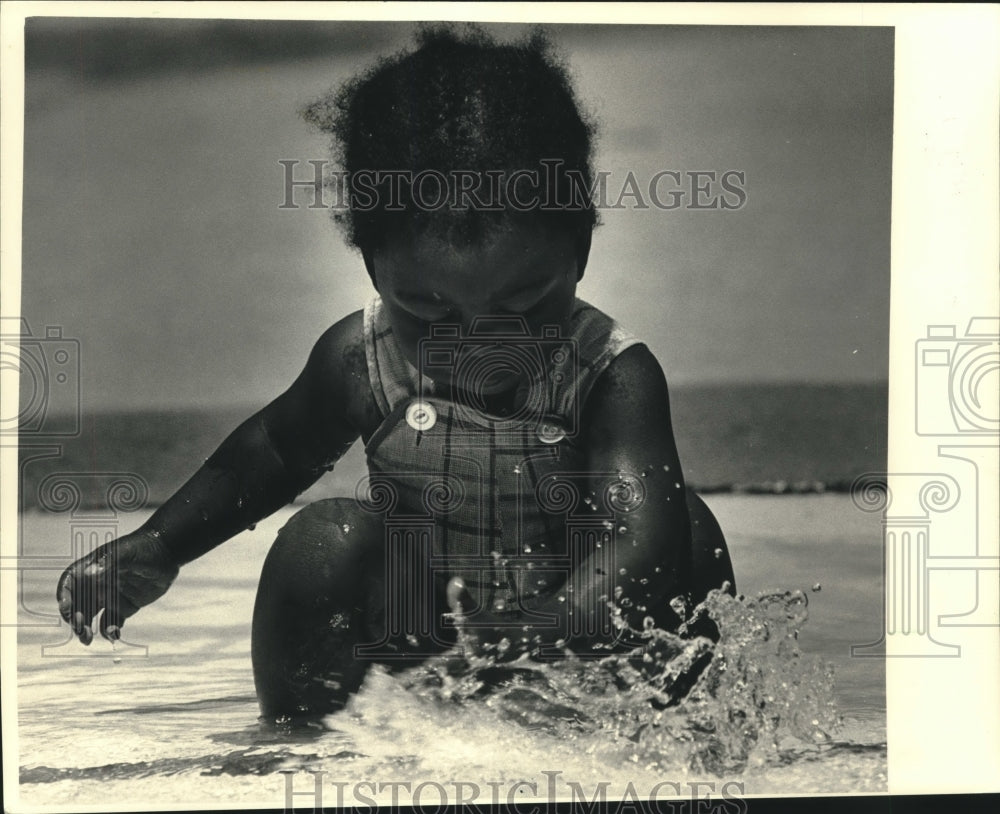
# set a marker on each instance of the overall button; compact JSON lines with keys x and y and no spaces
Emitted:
{"x":549,"y":433}
{"x":421,"y":415}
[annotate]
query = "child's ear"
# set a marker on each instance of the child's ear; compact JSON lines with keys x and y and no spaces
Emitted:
{"x":582,"y":252}
{"x":366,"y":254}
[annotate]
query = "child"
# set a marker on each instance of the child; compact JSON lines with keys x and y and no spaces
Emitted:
{"x":525,"y":486}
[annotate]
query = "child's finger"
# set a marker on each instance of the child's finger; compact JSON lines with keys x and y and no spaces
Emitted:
{"x":111,"y":623}
{"x":64,"y":596}
{"x":86,"y":634}
{"x":455,"y":591}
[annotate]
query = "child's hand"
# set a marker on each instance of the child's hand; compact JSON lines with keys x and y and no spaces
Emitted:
{"x":118,"y":578}
{"x":492,"y":633}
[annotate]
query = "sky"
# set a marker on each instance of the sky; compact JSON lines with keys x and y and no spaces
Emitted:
{"x":153,"y":233}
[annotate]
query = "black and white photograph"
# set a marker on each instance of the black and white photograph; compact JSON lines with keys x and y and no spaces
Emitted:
{"x":425,"y":412}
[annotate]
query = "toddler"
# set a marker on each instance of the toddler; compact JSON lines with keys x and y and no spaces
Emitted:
{"x":524,"y":495}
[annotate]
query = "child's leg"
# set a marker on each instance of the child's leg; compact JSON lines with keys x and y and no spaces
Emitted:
{"x":319,"y":595}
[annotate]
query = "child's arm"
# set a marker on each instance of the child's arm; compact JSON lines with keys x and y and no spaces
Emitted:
{"x":626,"y":428}
{"x":261,"y":466}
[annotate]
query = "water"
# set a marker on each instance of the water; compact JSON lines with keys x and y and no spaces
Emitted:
{"x":756,"y":437}
{"x":780,"y":708}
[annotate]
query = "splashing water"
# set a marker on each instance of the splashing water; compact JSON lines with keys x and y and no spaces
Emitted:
{"x":750,"y":705}
{"x":751,"y":699}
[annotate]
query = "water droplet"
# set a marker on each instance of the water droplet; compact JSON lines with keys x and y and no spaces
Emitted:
{"x":562,"y":598}
{"x":635,"y":543}
{"x":679,"y":606}
{"x":527,"y":549}
{"x":117,"y":659}
{"x":204,"y":514}
{"x":657,"y":569}
{"x":626,"y":602}
{"x":649,"y":623}
{"x":676,"y":485}
{"x":587,"y":500}
{"x":542,"y":582}
{"x":622,"y":571}
{"x":666,"y":468}
{"x":608,"y":524}
{"x":252,"y":527}
{"x":346,"y":527}
{"x":593,"y":507}
{"x":643,"y":581}
{"x":817,"y":587}
{"x":718,"y":553}
{"x":618,"y":591}
{"x":622,"y":529}
{"x":239,"y":502}
{"x":517,"y":470}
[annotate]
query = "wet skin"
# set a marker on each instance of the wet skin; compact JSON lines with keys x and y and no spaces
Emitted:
{"x":287,"y":446}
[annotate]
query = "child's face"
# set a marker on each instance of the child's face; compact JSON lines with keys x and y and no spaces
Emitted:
{"x":424,"y":280}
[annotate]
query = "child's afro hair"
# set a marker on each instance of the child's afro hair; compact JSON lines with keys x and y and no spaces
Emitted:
{"x":460,"y":103}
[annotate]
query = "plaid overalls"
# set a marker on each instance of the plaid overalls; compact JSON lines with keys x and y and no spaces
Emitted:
{"x":480,"y":496}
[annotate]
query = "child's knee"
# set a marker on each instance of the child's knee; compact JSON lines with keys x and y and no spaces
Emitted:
{"x":325,"y":546}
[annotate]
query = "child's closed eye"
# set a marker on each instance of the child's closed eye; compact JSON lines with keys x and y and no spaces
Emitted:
{"x":426,"y":311}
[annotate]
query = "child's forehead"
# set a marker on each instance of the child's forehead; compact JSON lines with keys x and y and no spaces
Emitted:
{"x":506,"y":239}
{"x":518,"y":254}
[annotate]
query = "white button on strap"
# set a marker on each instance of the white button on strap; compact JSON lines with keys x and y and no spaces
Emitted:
{"x":421,"y":415}
{"x":549,"y":433}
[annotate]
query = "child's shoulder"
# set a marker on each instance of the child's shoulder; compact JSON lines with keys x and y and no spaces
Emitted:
{"x":621,"y":362}
{"x":337,"y":370}
{"x":627,"y":371}
{"x":341,"y":347}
